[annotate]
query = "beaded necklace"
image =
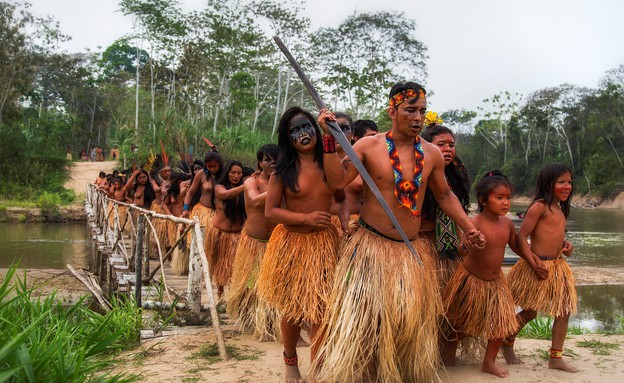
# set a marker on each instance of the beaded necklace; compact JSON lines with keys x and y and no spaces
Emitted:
{"x":406,"y":191}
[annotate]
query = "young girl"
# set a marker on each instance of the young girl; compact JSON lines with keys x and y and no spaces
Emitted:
{"x":554,"y":292}
{"x":222,"y":238}
{"x":297,"y":270}
{"x":477,"y":300}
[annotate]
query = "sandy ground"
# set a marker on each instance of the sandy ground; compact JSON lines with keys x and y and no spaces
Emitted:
{"x":177,"y":358}
{"x":175,"y":355}
{"x":85,"y":172}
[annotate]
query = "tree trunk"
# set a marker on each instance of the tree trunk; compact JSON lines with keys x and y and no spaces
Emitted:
{"x":277,"y":102}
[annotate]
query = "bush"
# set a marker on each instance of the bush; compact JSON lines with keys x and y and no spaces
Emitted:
{"x":42,"y":341}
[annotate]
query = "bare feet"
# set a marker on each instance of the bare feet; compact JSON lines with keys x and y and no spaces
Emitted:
{"x":560,"y":364}
{"x":292,"y":375}
{"x":492,"y":368}
{"x":510,"y":355}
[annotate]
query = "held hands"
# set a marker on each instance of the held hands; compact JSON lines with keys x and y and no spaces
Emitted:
{"x":474,"y":240}
{"x":567,"y":248}
{"x":185,"y":214}
{"x":325,"y":115}
{"x":540,"y":270}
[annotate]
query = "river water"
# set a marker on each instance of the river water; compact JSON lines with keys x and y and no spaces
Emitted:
{"x":597,"y":236}
{"x":44,"y":246}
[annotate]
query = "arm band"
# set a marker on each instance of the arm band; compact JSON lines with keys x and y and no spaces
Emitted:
{"x":186,"y":206}
{"x":329,"y":144}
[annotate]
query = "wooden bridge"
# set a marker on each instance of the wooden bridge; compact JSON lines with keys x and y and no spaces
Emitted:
{"x":129,"y":256}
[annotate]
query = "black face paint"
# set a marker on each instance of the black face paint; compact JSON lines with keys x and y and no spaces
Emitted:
{"x":300,"y":129}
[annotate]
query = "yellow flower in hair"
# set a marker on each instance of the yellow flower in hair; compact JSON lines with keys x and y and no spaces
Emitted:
{"x":432,"y":118}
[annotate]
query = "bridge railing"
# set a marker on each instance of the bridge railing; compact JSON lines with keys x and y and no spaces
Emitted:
{"x":123,"y":226}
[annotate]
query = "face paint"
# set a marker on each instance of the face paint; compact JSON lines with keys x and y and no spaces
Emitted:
{"x":300,"y":129}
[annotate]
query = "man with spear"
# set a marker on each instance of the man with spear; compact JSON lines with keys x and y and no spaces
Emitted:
{"x":383,"y":311}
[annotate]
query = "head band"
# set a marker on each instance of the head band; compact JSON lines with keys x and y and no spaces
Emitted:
{"x":398,"y":98}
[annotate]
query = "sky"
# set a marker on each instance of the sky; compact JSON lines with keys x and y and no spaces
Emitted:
{"x":476,"y":48}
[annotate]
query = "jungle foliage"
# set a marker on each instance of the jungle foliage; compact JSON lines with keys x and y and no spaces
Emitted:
{"x":179,"y":77}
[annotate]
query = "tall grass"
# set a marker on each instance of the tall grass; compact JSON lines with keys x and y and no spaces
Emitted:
{"x":43,"y":341}
{"x":541,"y":328}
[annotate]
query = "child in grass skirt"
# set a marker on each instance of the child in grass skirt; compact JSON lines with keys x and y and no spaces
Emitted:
{"x":553,"y":291}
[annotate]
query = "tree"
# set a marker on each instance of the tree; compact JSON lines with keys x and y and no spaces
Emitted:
{"x":498,"y":110}
{"x":361,"y":58}
{"x":459,"y":120}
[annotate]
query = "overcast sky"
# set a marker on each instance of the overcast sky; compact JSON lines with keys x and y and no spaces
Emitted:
{"x":476,"y":48}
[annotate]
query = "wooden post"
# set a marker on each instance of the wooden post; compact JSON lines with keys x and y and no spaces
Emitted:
{"x":211,"y":299}
{"x":193,"y":297}
{"x":138,"y":257}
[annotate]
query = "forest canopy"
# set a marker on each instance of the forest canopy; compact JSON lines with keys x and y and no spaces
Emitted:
{"x":179,"y":77}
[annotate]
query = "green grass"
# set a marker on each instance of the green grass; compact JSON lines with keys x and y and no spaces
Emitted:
{"x":43,"y":340}
{"x":541,"y":328}
{"x":599,"y":347}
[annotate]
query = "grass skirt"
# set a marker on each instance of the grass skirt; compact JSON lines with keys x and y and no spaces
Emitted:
{"x":122,"y":212}
{"x":555,"y":296}
{"x":383,"y":312}
{"x":478,"y":307}
{"x":164,"y":227}
{"x":204,"y":214}
{"x":220,"y":251}
{"x":297,"y":272}
{"x":180,"y":256}
{"x":242,"y":300}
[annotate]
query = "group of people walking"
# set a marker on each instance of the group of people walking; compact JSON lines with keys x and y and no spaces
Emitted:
{"x":304,"y":243}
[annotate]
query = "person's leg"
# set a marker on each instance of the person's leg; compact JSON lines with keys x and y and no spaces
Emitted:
{"x":450,"y":349}
{"x":290,"y":336}
{"x":559,"y":331}
{"x":524,"y":317}
{"x":489,"y":361}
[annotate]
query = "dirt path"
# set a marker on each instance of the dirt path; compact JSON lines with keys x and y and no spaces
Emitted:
{"x":85,"y":172}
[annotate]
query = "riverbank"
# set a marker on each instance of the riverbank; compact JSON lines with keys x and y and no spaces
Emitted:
{"x":81,"y":173}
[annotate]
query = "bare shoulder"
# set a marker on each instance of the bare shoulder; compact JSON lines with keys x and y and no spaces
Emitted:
{"x":367,"y":144}
{"x":537,"y":208}
{"x":250,"y":182}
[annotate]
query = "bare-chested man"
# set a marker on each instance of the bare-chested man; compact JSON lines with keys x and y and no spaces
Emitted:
{"x":382,"y":300}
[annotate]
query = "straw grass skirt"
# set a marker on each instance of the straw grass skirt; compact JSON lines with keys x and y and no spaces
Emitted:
{"x":383,"y":314}
{"x":122,"y":213}
{"x":163,"y":227}
{"x":220,"y":251}
{"x":297,"y":272}
{"x":478,"y":307}
{"x":445,"y":266}
{"x":204,"y":215}
{"x":181,"y":254}
{"x":555,"y":296}
{"x":242,"y":299}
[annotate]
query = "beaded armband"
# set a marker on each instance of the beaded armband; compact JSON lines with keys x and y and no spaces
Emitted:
{"x":329,"y":144}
